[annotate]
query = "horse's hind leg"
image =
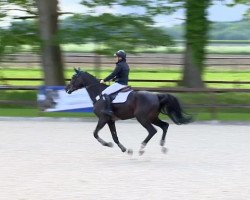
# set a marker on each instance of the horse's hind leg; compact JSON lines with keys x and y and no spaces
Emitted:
{"x":100,"y":125}
{"x":115,"y":137}
{"x":164,"y":126}
{"x":151,"y":132}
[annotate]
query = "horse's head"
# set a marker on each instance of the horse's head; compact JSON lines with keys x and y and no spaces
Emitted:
{"x":80,"y":80}
{"x":76,"y":82}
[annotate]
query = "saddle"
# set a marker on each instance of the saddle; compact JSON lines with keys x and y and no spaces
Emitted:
{"x":123,"y":90}
{"x":119,"y":96}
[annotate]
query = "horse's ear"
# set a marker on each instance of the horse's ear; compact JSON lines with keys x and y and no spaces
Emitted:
{"x":76,"y":70}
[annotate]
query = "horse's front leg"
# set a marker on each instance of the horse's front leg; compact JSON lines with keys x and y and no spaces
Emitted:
{"x":112,"y":128}
{"x":100,"y":125}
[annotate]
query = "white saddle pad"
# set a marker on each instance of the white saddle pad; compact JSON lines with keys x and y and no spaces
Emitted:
{"x":121,"y":97}
{"x":113,"y":88}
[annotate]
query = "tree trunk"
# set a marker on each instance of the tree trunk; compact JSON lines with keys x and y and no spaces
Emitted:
{"x":196,"y":41}
{"x":51,"y":52}
{"x":97,"y":61}
{"x":192,"y":76}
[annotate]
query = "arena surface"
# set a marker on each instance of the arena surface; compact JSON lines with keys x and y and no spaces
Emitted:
{"x":61,"y":160}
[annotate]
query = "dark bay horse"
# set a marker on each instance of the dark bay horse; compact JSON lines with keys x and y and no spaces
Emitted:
{"x":142,"y":105}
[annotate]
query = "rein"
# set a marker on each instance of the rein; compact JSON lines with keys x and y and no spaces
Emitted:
{"x":98,"y":97}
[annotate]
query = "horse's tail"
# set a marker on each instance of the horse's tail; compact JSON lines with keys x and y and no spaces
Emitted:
{"x":169,"y":105}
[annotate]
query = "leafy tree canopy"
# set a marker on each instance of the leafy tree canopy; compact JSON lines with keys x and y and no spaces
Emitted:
{"x":110,"y":32}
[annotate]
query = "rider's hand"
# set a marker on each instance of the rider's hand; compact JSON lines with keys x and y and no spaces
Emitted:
{"x":101,"y":81}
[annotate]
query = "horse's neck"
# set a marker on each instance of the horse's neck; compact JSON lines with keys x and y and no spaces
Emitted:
{"x":95,"y":90}
{"x":94,"y":87}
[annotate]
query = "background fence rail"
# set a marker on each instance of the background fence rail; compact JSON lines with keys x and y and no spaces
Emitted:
{"x":3,"y":79}
{"x":150,"y":60}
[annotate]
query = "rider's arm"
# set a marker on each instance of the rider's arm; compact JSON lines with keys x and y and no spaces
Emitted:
{"x":113,"y":74}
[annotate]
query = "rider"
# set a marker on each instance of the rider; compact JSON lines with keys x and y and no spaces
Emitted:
{"x":120,"y":75}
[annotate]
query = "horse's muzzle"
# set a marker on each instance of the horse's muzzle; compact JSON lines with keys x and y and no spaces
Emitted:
{"x":68,"y":89}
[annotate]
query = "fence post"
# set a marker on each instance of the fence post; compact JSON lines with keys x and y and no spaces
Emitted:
{"x":213,"y":101}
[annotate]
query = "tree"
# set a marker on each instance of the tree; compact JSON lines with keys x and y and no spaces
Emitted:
{"x":196,"y":40}
{"x":125,"y":30}
{"x":121,"y":30}
{"x":46,"y":12}
{"x":149,"y":8}
{"x":2,"y":30}
{"x":51,"y":52}
{"x":19,"y":31}
{"x":195,"y":30}
{"x":244,"y":2}
{"x":110,"y":32}
{"x":196,"y":36}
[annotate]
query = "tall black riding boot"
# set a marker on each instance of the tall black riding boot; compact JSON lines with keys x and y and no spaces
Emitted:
{"x":108,"y":111}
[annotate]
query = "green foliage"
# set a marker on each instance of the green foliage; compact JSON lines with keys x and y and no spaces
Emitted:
{"x":3,"y":42}
{"x":25,"y":33}
{"x":110,"y":32}
{"x":18,"y":34}
{"x":27,"y":6}
{"x":121,"y":31}
{"x":231,"y":31}
{"x":20,"y":2}
{"x":21,"y":32}
{"x":177,"y":32}
{"x":150,"y":7}
{"x":218,"y":31}
{"x":242,"y":2}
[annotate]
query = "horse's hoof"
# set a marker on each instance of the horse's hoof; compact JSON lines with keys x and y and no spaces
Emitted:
{"x":124,"y":150}
{"x":162,"y":143}
{"x":141,"y":152}
{"x":164,"y":150}
{"x":109,"y":144}
{"x":130,"y":152}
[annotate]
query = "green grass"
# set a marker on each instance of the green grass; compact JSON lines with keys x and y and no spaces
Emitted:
{"x":34,"y":112}
{"x":199,"y":116}
{"x":151,"y":74}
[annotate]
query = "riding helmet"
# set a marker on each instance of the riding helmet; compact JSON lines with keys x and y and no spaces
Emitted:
{"x":121,"y":53}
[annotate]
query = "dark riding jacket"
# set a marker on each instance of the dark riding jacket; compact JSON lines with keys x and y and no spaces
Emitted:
{"x":120,"y":73}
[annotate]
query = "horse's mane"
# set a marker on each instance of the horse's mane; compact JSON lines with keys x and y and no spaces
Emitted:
{"x":89,"y":76}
